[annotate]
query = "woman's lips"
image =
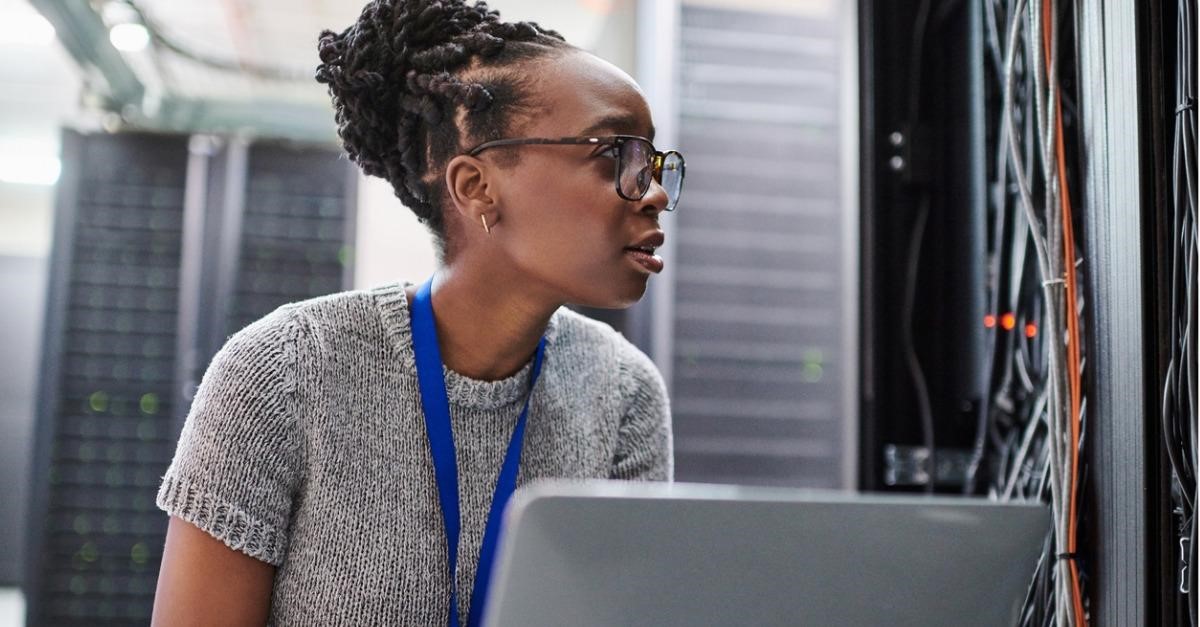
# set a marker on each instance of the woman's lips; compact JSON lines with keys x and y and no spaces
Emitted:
{"x":647,"y":260}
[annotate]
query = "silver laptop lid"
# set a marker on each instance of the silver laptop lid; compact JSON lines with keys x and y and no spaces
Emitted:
{"x":617,"y":553}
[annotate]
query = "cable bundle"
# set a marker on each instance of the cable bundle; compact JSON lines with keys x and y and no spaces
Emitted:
{"x":1031,"y":431}
{"x":161,"y":37}
{"x":1179,"y":388}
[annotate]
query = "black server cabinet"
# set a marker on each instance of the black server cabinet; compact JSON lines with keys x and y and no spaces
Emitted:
{"x":923,"y":230}
{"x":104,"y":430}
{"x":758,"y":320}
{"x":141,"y":222}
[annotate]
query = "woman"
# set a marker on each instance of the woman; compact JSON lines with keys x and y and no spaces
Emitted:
{"x":331,"y":443}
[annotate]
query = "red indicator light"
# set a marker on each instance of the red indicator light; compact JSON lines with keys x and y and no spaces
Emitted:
{"x":989,"y":321}
{"x":1031,"y":330}
{"x":1008,"y":321}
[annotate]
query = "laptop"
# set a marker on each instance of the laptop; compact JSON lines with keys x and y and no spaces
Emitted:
{"x":592,"y":554}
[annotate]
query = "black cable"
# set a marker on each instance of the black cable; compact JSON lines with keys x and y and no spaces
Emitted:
{"x":917,"y":374}
{"x":910,"y":351}
{"x":915,"y":54}
{"x":1179,"y":403}
{"x":257,"y":70}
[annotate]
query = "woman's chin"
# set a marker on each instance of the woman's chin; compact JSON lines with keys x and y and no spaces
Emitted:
{"x":621,"y":297}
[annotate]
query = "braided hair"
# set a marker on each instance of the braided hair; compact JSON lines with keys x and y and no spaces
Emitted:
{"x":412,"y":79}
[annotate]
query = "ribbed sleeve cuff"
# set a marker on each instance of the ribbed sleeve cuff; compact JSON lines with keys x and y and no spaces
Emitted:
{"x":238,"y":529}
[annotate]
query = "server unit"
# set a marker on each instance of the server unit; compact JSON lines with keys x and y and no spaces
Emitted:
{"x":762,"y":318}
{"x":140,"y":220}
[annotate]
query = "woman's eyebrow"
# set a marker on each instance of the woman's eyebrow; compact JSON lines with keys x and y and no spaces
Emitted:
{"x":620,"y":122}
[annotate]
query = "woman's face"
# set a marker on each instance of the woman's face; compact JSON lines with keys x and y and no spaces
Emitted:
{"x":560,"y":221}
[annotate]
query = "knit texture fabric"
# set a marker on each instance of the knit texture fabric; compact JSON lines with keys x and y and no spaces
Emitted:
{"x":305,"y":447}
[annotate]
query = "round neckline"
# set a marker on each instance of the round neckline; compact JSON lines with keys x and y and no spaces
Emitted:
{"x":461,"y":390}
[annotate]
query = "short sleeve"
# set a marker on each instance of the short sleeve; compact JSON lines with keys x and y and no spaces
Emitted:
{"x":644,"y":443}
{"x":239,"y":456}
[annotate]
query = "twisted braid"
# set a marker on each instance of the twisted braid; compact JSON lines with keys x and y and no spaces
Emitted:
{"x":408,"y":73}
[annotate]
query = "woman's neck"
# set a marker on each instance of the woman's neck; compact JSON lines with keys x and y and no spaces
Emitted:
{"x":488,"y":326}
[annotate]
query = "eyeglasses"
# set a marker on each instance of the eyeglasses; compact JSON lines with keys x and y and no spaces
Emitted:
{"x":637,"y":163}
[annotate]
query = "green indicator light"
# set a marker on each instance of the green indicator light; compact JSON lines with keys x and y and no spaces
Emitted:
{"x":139,"y":553}
{"x":149,"y":403}
{"x":814,"y":366}
{"x":88,"y":552}
{"x":98,"y":401}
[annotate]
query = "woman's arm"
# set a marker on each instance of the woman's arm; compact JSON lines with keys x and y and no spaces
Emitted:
{"x":204,"y":582}
{"x":645,"y":445}
{"x":232,"y":480}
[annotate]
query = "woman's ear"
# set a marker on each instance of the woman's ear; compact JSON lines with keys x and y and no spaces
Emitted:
{"x":472,"y":193}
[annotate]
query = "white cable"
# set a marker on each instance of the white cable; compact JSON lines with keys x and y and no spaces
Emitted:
{"x":1047,"y":236}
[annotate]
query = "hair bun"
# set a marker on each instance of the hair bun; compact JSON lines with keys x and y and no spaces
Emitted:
{"x":394,"y":80}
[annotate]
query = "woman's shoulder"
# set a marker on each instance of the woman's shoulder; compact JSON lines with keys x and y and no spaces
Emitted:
{"x":580,"y":333}
{"x":571,"y":329}
{"x":352,"y":310}
{"x":348,"y":309}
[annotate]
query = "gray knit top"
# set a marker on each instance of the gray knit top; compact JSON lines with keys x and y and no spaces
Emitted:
{"x":305,"y":447}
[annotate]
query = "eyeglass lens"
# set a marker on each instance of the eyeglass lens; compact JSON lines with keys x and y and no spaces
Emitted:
{"x":637,"y":169}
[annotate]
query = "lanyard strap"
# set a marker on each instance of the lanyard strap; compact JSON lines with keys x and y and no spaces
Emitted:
{"x":436,"y":406}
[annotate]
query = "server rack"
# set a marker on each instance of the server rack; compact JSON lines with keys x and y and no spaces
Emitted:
{"x":130,"y":316}
{"x":1122,"y":106}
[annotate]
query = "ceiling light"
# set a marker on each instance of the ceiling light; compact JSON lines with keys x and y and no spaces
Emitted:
{"x":37,"y":171}
{"x":29,"y":162}
{"x":129,"y":37}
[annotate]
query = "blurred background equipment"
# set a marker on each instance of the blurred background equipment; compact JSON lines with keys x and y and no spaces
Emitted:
{"x":164,"y":246}
{"x":760,"y":323}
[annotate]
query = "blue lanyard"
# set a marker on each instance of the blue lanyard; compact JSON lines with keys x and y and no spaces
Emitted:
{"x":436,"y":406}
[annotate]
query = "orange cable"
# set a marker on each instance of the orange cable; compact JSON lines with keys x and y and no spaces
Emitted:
{"x":1073,"y":357}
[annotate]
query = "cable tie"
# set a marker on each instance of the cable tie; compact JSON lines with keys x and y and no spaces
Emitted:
{"x":1067,"y":556}
{"x":1187,"y":105}
{"x":1049,"y":282}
